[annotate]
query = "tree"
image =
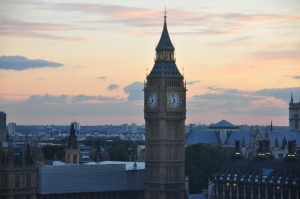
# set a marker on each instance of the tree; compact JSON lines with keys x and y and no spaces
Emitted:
{"x":118,"y":153}
{"x":50,"y":151}
{"x":202,"y":161}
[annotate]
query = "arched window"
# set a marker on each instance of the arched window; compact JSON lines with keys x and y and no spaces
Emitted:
{"x":28,"y":181}
{"x":17,"y":181}
{"x":296,"y":124}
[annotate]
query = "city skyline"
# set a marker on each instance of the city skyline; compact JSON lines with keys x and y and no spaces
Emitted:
{"x":86,"y":61}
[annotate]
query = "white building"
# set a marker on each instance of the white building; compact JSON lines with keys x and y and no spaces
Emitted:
{"x":76,"y":126}
{"x":133,"y":128}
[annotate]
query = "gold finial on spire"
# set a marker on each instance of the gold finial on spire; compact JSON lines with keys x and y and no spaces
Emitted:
{"x":165,"y":12}
{"x":146,"y":72}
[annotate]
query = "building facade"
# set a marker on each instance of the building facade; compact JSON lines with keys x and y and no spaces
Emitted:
{"x":294,"y":115}
{"x":165,"y":113}
{"x":2,"y":126}
{"x":11,"y":128}
{"x":18,"y":171}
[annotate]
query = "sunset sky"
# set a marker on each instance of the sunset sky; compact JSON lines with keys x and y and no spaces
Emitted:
{"x":86,"y":60}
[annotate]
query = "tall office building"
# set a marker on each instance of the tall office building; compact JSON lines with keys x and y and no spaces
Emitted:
{"x":165,"y":113}
{"x":11,"y":128}
{"x":2,"y":126}
{"x":133,"y":128}
{"x":124,"y":127}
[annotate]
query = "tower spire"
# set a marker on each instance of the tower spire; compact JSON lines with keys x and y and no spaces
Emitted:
{"x":292,"y":100}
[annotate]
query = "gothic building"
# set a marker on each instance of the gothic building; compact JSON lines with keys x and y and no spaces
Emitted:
{"x":294,"y":115}
{"x":72,"y":149}
{"x":98,"y":155}
{"x":260,"y":177}
{"x":165,"y":113}
{"x":18,"y":171}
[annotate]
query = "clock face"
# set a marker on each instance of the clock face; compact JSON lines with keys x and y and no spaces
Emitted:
{"x":174,"y":100}
{"x":152,"y":100}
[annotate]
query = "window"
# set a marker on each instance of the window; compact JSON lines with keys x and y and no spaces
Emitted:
{"x":28,"y":181}
{"x":296,"y":124}
{"x":279,"y":180}
{"x":68,"y":158}
{"x":242,"y":178}
{"x":295,"y":181}
{"x":221,"y":177}
{"x":249,"y":178}
{"x":256,"y":178}
{"x":286,"y":180}
{"x":296,"y":116}
{"x":271,"y":180}
{"x":228,"y":177}
{"x":17,"y":181}
{"x":74,"y":159}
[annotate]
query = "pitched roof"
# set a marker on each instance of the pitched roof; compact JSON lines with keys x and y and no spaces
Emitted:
{"x":238,"y":135}
{"x":165,"y":68}
{"x":165,"y":41}
{"x":209,"y":137}
{"x":223,"y":124}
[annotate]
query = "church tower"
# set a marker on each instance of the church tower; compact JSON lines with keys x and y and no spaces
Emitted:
{"x":294,"y":115}
{"x":72,"y":149}
{"x":165,"y":113}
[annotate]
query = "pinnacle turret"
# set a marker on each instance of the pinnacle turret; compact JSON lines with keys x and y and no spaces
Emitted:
{"x":165,"y":41}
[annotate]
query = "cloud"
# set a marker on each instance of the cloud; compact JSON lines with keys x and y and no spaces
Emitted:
{"x":230,"y":101}
{"x":86,"y":98}
{"x":135,"y":91}
{"x":77,"y":67}
{"x":101,"y":77}
{"x":41,"y":99}
{"x":23,"y":63}
{"x":296,"y":77}
{"x":192,"y":82}
{"x":112,"y":87}
{"x":37,"y":30}
{"x":283,"y":54}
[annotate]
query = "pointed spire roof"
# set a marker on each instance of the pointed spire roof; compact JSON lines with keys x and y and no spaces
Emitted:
{"x":271,"y":126}
{"x":165,"y":41}
{"x":292,"y":100}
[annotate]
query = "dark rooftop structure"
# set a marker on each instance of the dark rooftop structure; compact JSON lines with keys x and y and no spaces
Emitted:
{"x":259,"y":177}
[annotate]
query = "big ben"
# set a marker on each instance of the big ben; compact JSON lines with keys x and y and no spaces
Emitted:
{"x":165,"y":113}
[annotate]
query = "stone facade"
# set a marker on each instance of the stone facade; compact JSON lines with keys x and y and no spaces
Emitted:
{"x":165,"y":113}
{"x":72,"y":148}
{"x":18,"y":172}
{"x":294,"y":115}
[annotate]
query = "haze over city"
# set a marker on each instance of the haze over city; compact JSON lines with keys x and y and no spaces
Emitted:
{"x":87,"y":61}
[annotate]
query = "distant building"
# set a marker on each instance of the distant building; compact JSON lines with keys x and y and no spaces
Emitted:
{"x":72,"y":148}
{"x":294,"y":115}
{"x":76,"y":126}
{"x":133,"y":128}
{"x":11,"y":128}
{"x":124,"y":127}
{"x":2,"y":126}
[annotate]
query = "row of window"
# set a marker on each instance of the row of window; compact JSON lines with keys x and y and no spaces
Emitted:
{"x":27,"y":181}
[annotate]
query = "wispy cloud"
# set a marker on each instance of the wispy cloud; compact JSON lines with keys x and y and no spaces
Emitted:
{"x":101,"y":77}
{"x":23,"y":63}
{"x":296,"y":77}
{"x":280,"y":54}
{"x":193,"y":82}
{"x":37,"y":30}
{"x":112,"y":87}
{"x":87,"y":98}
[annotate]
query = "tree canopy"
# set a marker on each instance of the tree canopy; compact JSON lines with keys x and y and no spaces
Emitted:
{"x":202,"y":161}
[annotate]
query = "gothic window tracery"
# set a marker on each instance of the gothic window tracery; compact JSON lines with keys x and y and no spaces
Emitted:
{"x":17,"y":181}
{"x":28,"y":181}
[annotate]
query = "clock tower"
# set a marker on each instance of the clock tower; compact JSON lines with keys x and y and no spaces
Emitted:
{"x":165,"y":113}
